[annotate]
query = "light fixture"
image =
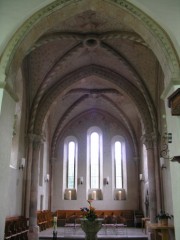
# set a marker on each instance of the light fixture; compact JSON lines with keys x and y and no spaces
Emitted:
{"x":120,"y":195}
{"x":22,"y":163}
{"x":162,"y":163}
{"x":94,"y":195}
{"x":141,"y":177}
{"x":107,"y":180}
{"x":176,"y":159}
{"x":81,"y":180}
{"x":46,"y":178}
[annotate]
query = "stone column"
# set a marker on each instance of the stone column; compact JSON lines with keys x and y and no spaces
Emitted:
{"x":149,"y":143}
{"x":33,"y":228}
{"x":28,"y":173}
{"x":52,"y":163}
{"x":159,"y":190}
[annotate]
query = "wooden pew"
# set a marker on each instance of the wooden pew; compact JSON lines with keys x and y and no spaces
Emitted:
{"x":41,"y":221}
{"x":49,"y":218}
{"x":122,"y":216}
{"x":44,"y":219}
{"x":16,"y":228}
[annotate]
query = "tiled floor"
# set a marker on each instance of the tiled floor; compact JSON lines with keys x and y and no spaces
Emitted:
{"x":110,"y":232}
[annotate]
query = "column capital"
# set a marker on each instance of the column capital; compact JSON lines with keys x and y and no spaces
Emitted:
{"x":149,"y":139}
{"x":35,"y":138}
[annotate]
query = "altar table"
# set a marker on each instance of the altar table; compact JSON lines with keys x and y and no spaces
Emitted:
{"x":160,"y":230}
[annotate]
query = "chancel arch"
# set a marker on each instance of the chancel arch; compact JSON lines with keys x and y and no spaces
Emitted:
{"x":114,"y":66}
{"x":39,"y":24}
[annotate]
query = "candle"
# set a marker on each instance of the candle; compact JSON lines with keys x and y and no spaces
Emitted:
{"x":140,"y":176}
{"x":69,"y":195}
{"x":120,"y":195}
{"x":94,"y":195}
{"x":55,"y":223}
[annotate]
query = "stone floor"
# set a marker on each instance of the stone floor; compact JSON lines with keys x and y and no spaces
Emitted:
{"x":106,"y":233}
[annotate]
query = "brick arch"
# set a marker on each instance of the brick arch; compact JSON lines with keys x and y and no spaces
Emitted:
{"x":133,"y":92}
{"x":38,"y":23}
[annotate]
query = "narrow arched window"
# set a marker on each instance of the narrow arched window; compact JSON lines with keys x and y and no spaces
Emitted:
{"x":94,"y":150}
{"x":70,"y":160}
{"x":71,"y":165}
{"x":118,"y":164}
{"x":94,"y":156}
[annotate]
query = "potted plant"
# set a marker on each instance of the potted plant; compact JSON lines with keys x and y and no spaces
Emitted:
{"x":89,"y":213}
{"x":90,"y":223}
{"x":163,"y":217}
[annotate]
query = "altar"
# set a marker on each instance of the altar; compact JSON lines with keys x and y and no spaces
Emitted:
{"x":91,"y":228}
{"x":160,"y":230}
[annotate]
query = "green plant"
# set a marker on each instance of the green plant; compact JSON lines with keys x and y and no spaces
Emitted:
{"x":89,"y":213}
{"x":163,"y":215}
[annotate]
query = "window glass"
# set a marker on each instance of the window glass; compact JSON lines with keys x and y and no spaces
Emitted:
{"x":118,"y":164}
{"x":71,"y":165}
{"x":94,"y":159}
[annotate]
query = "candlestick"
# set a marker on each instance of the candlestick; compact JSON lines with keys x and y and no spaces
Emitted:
{"x":94,"y":195}
{"x":69,"y":195}
{"x":55,"y":223}
{"x":120,"y":195}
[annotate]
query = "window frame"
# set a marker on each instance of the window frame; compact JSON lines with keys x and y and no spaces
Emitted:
{"x":119,"y":138}
{"x":66,"y":163}
{"x":100,"y":172}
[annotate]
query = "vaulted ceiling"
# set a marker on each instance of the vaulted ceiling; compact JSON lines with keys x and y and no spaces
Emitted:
{"x":92,"y":62}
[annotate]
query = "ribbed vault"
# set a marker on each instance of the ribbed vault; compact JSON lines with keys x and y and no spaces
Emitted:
{"x":82,"y":73}
{"x":71,"y":47}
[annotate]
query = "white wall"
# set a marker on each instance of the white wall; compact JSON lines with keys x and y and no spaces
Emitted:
{"x":13,"y":14}
{"x":173,"y":125}
{"x":166,"y":14}
{"x":6,"y":127}
{"x":109,"y":129}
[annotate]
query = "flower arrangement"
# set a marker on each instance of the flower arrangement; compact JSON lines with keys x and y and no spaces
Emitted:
{"x":89,"y":213}
{"x":163,"y":215}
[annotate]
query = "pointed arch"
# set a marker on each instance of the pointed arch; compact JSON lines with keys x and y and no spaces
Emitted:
{"x":146,"y":27}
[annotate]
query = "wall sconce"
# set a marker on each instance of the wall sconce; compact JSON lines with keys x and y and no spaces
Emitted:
{"x":46,"y":178}
{"x":162,"y":163}
{"x":176,"y":159}
{"x":22,"y":163}
{"x":141,"y":177}
{"x":120,"y":195}
{"x":81,"y":180}
{"x":106,"y":180}
{"x":94,"y":195}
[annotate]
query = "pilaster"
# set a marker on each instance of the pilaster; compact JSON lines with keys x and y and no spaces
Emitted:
{"x":35,"y":143}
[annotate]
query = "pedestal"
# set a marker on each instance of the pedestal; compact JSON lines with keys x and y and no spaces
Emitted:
{"x":33,"y":233}
{"x":91,"y":228}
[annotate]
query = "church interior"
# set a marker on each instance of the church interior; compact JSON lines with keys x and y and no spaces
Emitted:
{"x":90,"y":109}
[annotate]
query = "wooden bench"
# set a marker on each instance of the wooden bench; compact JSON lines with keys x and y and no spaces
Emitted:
{"x":16,"y":228}
{"x":48,"y":217}
{"x":44,"y":219}
{"x":122,"y":216}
